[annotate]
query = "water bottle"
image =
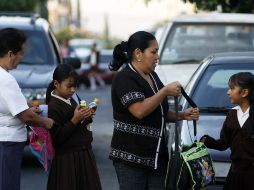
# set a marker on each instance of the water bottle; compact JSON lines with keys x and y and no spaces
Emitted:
{"x":93,"y":105}
{"x":82,"y":104}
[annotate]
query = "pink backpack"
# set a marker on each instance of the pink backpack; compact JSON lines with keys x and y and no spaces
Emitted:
{"x":41,"y":142}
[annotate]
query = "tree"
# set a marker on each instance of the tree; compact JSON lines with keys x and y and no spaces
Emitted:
{"x":226,"y":6}
{"x":17,"y":5}
{"x":25,"y":6}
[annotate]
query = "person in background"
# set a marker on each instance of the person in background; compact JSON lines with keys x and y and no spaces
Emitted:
{"x":74,"y":166}
{"x":14,"y":111}
{"x":66,"y":50}
{"x":94,"y":75}
{"x":140,"y":111}
{"x":237,"y":133}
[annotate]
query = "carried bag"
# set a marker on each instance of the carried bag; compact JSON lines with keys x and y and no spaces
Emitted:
{"x":192,"y":168}
{"x":41,"y":142}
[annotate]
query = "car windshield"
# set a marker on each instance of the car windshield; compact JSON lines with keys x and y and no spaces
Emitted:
{"x":37,"y":51}
{"x":193,"y":42}
{"x":210,"y":93}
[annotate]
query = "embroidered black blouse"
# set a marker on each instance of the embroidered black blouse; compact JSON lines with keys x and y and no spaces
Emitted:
{"x":134,"y":140}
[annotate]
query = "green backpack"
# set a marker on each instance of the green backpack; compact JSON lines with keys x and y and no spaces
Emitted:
{"x":197,"y":166}
{"x":192,"y":168}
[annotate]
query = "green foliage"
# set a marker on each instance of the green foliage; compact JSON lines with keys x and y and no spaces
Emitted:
{"x":17,"y":5}
{"x":226,"y":6}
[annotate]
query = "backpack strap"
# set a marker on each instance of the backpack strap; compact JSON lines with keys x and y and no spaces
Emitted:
{"x":194,"y":105}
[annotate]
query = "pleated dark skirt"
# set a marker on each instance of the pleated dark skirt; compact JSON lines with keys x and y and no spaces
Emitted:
{"x":240,"y":179}
{"x":74,"y":171}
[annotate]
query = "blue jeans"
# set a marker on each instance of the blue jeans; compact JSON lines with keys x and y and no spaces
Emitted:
{"x":133,"y":178}
{"x":10,"y":164}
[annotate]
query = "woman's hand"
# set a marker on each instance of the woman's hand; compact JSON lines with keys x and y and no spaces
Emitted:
{"x":173,"y":89}
{"x":80,"y":115}
{"x":191,"y":114}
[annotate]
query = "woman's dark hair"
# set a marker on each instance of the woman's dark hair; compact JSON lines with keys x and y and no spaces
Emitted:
{"x":62,"y":72}
{"x":11,"y":39}
{"x":244,"y":80}
{"x":123,"y":52}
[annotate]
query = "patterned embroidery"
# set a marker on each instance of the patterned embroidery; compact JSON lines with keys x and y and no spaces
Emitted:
{"x":132,"y":96}
{"x":136,"y":129}
{"x":132,"y":157}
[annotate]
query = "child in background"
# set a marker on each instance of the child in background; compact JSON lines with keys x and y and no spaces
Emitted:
{"x":238,"y":133}
{"x":74,"y":166}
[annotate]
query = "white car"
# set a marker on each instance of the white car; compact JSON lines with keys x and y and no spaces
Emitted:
{"x":188,"y":39}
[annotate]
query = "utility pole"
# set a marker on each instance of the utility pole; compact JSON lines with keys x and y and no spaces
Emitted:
{"x":78,"y":14}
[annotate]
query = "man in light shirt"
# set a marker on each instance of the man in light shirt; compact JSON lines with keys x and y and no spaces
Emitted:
{"x":14,"y":111}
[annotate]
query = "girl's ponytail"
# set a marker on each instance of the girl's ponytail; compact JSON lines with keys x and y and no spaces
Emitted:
{"x":50,"y":88}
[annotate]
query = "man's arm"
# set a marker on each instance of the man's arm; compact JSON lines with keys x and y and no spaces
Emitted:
{"x":31,"y":118}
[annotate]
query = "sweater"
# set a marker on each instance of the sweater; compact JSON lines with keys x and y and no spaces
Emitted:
{"x":136,"y":141}
{"x":65,"y":135}
{"x":239,"y":139}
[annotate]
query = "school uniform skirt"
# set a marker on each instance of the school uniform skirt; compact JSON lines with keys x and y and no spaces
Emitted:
{"x":240,"y":178}
{"x":74,"y":171}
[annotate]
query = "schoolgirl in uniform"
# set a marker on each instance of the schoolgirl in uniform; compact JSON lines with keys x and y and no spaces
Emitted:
{"x":74,"y":165}
{"x":238,"y":133}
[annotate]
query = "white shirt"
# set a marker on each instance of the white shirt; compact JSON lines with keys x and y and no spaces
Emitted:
{"x":93,"y":58}
{"x":242,"y":116}
{"x":12,"y":102}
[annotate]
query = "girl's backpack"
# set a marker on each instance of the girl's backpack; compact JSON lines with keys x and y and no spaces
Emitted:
{"x":191,"y":168}
{"x":41,"y":142}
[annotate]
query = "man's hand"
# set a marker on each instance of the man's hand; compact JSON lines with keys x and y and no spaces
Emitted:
{"x":48,"y":123}
{"x":35,"y":109}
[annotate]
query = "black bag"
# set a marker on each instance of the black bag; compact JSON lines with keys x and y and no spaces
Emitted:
{"x":192,"y":168}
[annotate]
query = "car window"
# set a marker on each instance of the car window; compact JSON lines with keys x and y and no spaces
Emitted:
{"x":211,"y":91}
{"x":36,"y":49}
{"x":195,"y":41}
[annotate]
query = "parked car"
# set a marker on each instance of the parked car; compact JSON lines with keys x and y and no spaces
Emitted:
{"x":188,"y":39}
{"x":208,"y":88}
{"x":106,"y":56}
{"x":41,"y":56}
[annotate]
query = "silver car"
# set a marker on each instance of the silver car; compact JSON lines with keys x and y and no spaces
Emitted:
{"x":208,"y":88}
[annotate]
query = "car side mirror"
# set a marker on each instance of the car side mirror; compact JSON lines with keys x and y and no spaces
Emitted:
{"x":73,"y":61}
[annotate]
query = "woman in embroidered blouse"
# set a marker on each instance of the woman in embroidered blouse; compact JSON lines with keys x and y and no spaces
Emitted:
{"x":140,"y":110}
